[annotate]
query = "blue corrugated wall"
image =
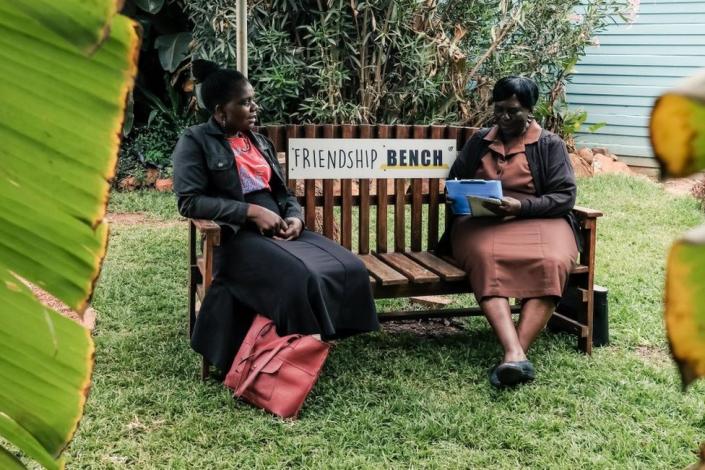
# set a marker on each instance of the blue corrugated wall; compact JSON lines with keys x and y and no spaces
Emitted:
{"x":618,"y":81}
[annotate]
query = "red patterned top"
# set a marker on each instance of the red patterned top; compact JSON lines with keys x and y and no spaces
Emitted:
{"x":252,"y":167}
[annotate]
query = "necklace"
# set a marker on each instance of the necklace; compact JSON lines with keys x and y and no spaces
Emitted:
{"x":239,"y":144}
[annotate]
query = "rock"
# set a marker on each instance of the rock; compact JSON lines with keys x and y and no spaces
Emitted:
{"x":604,"y":164}
{"x":698,"y":190}
{"x":164,"y":185}
{"x":150,"y":176}
{"x":580,"y":166}
{"x":613,"y":157}
{"x":128,"y":183}
{"x":586,"y":154}
{"x":602,"y":150}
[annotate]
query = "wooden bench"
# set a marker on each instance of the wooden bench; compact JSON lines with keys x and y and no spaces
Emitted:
{"x":361,"y":214}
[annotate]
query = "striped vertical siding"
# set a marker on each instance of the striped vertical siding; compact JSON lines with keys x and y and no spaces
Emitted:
{"x":618,"y":81}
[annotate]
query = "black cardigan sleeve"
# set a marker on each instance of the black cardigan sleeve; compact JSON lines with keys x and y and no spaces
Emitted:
{"x":558,"y":189}
{"x":465,"y":165}
{"x":191,"y":183}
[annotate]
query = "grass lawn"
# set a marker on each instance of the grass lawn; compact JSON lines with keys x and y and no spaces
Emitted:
{"x":397,"y":400}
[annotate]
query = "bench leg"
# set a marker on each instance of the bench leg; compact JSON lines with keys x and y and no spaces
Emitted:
{"x":193,"y":281}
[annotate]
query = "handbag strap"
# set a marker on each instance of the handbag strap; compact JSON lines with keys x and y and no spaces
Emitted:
{"x":253,"y":341}
{"x":282,"y":343}
{"x":247,"y":355}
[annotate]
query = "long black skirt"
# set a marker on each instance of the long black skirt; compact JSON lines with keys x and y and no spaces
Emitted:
{"x":310,"y":285}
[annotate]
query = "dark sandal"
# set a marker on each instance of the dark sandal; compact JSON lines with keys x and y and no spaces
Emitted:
{"x":510,"y":374}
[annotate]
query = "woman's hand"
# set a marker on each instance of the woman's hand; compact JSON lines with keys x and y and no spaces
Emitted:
{"x":293,"y":230}
{"x":267,"y":221}
{"x":509,"y":206}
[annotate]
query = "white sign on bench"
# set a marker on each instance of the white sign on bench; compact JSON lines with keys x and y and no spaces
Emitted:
{"x":370,"y":158}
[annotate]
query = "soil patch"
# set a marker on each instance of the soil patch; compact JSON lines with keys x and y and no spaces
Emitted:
{"x":140,"y":218}
{"x":653,"y":355}
{"x":680,"y":186}
{"x":89,"y":316}
{"x":431,"y":327}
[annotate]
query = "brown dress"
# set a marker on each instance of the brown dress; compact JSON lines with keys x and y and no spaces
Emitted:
{"x":513,"y":257}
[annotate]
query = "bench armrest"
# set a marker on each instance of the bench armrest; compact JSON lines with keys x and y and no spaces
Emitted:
{"x":208,"y":228}
{"x":586,"y":213}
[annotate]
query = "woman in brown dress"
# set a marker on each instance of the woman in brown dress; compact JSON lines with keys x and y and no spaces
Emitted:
{"x":527,"y":251}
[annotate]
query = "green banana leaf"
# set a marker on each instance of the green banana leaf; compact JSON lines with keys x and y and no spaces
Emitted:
{"x":678,"y":128}
{"x":65,"y":71}
{"x":685,"y":304}
{"x":678,"y":139}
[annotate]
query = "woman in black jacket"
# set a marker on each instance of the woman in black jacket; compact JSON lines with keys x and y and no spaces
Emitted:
{"x":528,"y":251}
{"x":267,"y":262}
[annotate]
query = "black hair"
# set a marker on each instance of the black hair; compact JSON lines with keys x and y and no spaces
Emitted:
{"x":524,"y":88}
{"x":218,"y":86}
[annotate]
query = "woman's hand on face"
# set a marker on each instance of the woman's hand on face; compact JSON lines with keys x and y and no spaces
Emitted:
{"x":509,"y":206}
{"x":293,"y":230}
{"x":267,"y":221}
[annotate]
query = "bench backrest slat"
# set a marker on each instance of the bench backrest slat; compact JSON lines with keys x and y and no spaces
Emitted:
{"x":319,"y":198}
{"x":420,"y":132}
{"x":328,"y":185}
{"x":292,"y":132}
{"x":310,"y":186}
{"x":364,"y":208}
{"x":349,"y":132}
{"x":402,"y":132}
{"x":383,"y":132}
{"x":437,"y":132}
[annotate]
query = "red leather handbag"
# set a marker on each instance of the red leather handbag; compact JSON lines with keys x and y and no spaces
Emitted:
{"x":276,"y":373}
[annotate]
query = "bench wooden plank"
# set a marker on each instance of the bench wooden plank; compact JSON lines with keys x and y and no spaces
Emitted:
{"x":208,"y":227}
{"x":328,"y":204}
{"x":382,"y":215}
{"x":405,"y":265}
{"x":586,"y":212}
{"x":433,"y":301}
{"x":402,"y":132}
{"x":383,"y":132}
{"x":346,"y":191}
{"x":399,"y":215}
{"x":416,"y":213}
{"x":310,"y":187}
{"x":433,"y":213}
{"x":580,"y":269}
{"x":200,"y":292}
{"x":419,"y":132}
{"x":437,"y":132}
{"x":292,"y":132}
{"x":384,"y":273}
{"x":363,"y":225}
{"x":448,"y":272}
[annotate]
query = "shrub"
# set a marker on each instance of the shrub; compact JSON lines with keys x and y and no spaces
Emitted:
{"x":149,"y":146}
{"x":401,"y":61}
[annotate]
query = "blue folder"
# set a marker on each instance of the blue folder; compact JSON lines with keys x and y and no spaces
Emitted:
{"x":459,"y":190}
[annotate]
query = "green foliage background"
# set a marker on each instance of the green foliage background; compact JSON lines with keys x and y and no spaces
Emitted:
{"x":400,"y":61}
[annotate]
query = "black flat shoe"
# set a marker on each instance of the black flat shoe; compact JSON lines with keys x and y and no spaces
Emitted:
{"x":528,"y":368}
{"x":510,"y":374}
{"x":494,"y":380}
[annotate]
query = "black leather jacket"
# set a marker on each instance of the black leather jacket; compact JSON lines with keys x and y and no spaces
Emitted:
{"x":206,"y":181}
